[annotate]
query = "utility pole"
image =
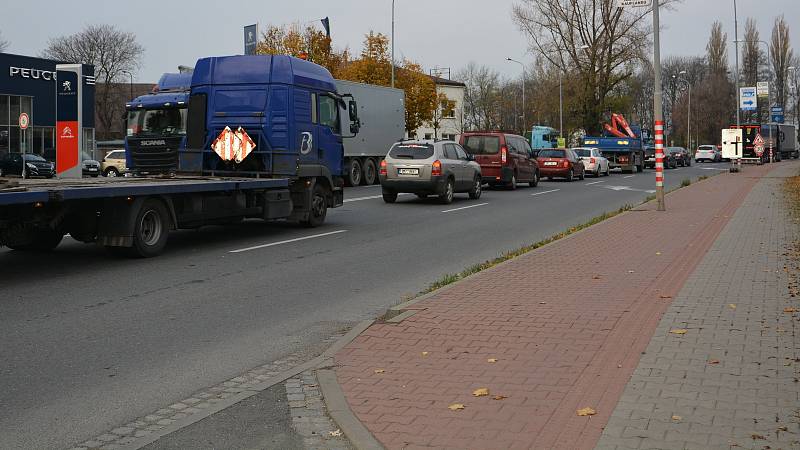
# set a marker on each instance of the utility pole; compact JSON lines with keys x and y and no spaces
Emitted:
{"x":392,"y":43}
{"x":560,"y":103}
{"x":657,"y":110}
{"x":736,"y":40}
{"x":688,"y":110}
{"x":523,"y":89}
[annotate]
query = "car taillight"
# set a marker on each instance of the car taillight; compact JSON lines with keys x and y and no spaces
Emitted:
{"x":592,"y":160}
{"x":503,"y":154}
{"x":383,"y":167}
{"x":436,"y":168}
{"x":566,"y":163}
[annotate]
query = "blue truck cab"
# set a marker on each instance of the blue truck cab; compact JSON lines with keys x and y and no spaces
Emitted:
{"x":543,"y":137}
{"x":156,"y":123}
{"x":626,"y":153}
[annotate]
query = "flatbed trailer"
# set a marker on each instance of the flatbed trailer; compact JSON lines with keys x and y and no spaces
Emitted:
{"x":134,"y":215}
{"x":622,"y":153}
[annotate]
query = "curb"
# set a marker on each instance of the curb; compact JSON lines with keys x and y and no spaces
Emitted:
{"x":323,"y":360}
{"x":340,"y":412}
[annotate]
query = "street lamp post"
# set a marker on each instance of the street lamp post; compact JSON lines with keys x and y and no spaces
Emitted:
{"x":688,"y":110}
{"x":658,"y":109}
{"x":523,"y":89}
{"x":131,"y":83}
{"x":736,"y":42}
{"x":392,"y":43}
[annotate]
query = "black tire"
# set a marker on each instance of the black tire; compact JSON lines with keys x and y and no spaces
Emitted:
{"x":689,"y":163}
{"x":535,"y":181}
{"x":597,"y":172}
{"x":354,"y":173}
{"x":582,"y":176}
{"x":571,"y":175}
{"x":446,"y":197}
{"x":512,"y":185}
{"x":150,"y":230}
{"x":370,"y":172}
{"x":608,"y":171}
{"x":390,"y":197}
{"x":318,"y":208}
{"x":2,"y":172}
{"x":41,"y":241}
{"x":111,"y":172}
{"x":477,"y":189}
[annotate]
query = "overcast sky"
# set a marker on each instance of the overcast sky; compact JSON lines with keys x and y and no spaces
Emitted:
{"x":444,"y":33}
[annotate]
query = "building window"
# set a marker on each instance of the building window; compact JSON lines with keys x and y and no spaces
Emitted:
{"x":448,"y":109}
{"x":88,"y":144}
{"x":428,"y":136}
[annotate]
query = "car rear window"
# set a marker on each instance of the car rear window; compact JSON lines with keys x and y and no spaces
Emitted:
{"x":482,"y":145}
{"x":552,"y":154}
{"x":583,"y":152}
{"x":706,"y":147}
{"x":411,"y":151}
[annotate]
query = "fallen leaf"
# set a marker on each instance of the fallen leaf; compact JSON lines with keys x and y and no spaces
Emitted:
{"x":480,"y":392}
{"x":665,"y":296}
{"x":677,"y":418}
{"x":586,"y":411}
{"x":499,"y":397}
{"x":784,"y":428}
{"x":658,"y":253}
{"x":596,"y":277}
{"x":757,"y":436}
{"x":424,"y":353}
{"x":678,"y":331}
{"x":380,"y":370}
{"x":714,"y":361}
{"x":631,"y":271}
{"x":790,"y":310}
{"x":619,"y":366}
{"x":456,"y":407}
{"x":542,"y":303}
{"x":491,"y":360}
{"x":732,"y":306}
{"x":335,"y":433}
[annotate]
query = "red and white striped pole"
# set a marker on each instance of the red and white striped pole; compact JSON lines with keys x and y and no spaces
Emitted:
{"x":660,"y":164}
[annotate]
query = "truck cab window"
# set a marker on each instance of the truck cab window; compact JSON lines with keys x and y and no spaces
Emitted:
{"x":329,"y":113}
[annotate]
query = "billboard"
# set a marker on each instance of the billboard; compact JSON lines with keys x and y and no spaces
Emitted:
{"x":250,"y":39}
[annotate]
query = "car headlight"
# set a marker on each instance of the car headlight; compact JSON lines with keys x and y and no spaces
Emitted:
{"x":30,"y":166}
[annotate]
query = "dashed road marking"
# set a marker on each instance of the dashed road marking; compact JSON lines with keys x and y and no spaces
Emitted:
{"x":594,"y":182}
{"x":288,"y":241}
{"x":545,"y":192}
{"x":369,"y":197}
{"x":629,"y":176}
{"x":464,"y":207}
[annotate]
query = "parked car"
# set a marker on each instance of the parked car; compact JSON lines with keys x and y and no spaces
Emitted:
{"x":426,"y":168}
{"x":556,"y":162}
{"x":708,"y":153}
{"x":650,"y":158}
{"x":682,"y":156}
{"x":89,"y":167}
{"x":113,"y":165}
{"x":35,"y":165}
{"x":594,"y":162}
{"x":505,"y":159}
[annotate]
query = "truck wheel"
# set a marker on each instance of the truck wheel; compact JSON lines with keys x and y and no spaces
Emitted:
{"x":150,"y":230}
{"x":354,"y":172}
{"x":318,"y":208}
{"x":370,"y":172}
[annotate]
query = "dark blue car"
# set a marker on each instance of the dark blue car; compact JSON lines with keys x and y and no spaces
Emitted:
{"x":35,"y":165}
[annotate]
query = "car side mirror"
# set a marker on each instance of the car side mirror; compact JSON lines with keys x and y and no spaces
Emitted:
{"x":470,"y":157}
{"x":353,"y":110}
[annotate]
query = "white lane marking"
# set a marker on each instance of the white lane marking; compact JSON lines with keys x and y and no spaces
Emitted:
{"x":712,"y":168}
{"x":595,"y":182}
{"x":370,"y":197}
{"x":629,"y":176}
{"x":464,"y":207}
{"x":626,"y":188}
{"x":545,"y":192}
{"x":288,"y":241}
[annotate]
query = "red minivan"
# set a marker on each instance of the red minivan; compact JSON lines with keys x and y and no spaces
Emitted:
{"x":505,"y":159}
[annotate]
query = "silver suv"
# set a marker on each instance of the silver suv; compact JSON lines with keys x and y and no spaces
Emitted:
{"x":426,"y":168}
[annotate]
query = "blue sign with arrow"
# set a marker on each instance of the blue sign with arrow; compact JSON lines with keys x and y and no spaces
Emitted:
{"x":747,"y":99}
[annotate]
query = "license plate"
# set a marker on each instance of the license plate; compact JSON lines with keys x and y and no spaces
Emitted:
{"x":92,"y":169}
{"x":408,"y":171}
{"x":550,"y":163}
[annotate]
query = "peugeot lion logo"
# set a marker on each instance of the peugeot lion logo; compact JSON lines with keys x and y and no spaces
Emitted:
{"x":67,"y":86}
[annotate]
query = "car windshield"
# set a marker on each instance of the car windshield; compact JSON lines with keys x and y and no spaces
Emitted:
{"x":482,"y":145}
{"x":552,"y":154}
{"x":583,"y":152}
{"x":157,"y":122}
{"x":411,"y":151}
{"x":30,"y":157}
{"x":706,"y":148}
{"x":675,"y":150}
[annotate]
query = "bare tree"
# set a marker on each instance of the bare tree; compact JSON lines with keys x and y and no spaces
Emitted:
{"x":781,"y":53}
{"x":752,"y":55}
{"x":591,"y":39}
{"x":717,"y":50}
{"x":3,"y":43}
{"x":112,"y":52}
{"x":480,"y":96}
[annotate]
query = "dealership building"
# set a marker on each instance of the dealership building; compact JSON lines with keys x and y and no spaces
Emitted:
{"x":28,"y":85}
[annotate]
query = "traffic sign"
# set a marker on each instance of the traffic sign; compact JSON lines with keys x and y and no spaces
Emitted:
{"x":758,"y":145}
{"x":763,"y":88}
{"x":632,"y":3}
{"x":24,"y":121}
{"x":747,"y":98}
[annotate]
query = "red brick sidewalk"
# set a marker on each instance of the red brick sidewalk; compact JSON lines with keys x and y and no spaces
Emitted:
{"x":566,"y":323}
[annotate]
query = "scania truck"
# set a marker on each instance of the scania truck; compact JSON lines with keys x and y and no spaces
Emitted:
{"x":288,"y":112}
